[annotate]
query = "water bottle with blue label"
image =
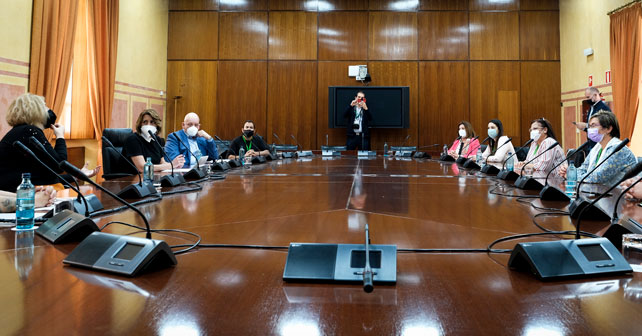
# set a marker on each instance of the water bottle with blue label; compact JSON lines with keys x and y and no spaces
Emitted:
{"x":25,"y":203}
{"x":148,"y":171}
{"x":478,"y":159}
{"x":571,"y":179}
{"x":197,"y":155}
{"x":445,"y":150}
{"x":242,"y":156}
{"x":510,"y":164}
{"x":385,"y":149}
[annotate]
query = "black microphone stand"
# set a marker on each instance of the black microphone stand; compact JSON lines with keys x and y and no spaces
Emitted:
{"x":195,"y":173}
{"x":490,"y":169}
{"x":172,"y":180}
{"x":528,"y":182}
{"x":550,"y":192}
{"x":140,"y":190}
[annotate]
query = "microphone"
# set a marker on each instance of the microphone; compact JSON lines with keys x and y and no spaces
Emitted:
{"x":490,"y":169}
{"x":167,"y":180}
{"x":471,"y":161}
{"x":579,"y":203}
{"x":277,"y":137}
{"x":549,"y":192}
{"x":140,"y":190}
{"x":326,"y":140}
{"x":72,"y":170}
{"x":405,"y":140}
{"x":528,"y":182}
{"x":297,"y":143}
{"x":367,"y":270}
{"x":217,"y":138}
{"x":524,"y":145}
{"x":509,"y":174}
{"x":65,"y":225}
{"x":80,"y":199}
{"x":462,"y":159}
{"x":194,"y":173}
{"x":301,"y":153}
{"x":521,"y":172}
{"x":632,"y":172}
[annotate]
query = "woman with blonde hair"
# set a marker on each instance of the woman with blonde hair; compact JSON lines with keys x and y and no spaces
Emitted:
{"x":29,"y":116}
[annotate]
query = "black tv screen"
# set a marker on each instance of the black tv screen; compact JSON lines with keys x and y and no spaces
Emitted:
{"x":389,"y":105}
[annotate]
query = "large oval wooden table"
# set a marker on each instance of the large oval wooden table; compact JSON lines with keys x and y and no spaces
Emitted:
{"x":235,"y":291}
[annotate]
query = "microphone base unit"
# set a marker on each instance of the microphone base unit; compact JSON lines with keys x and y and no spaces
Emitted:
{"x":172,"y":180}
{"x":621,"y":227}
{"x":507,"y":175}
{"x":366,"y":153}
{"x":551,"y":193}
{"x":272,"y":157}
{"x":339,"y":263}
{"x":93,"y":203}
{"x":471,"y":164}
{"x":422,"y":155}
{"x":593,"y":212}
{"x":446,"y":158}
{"x":554,"y":260}
{"x":234,"y":163}
{"x":123,"y":255}
{"x":195,"y":174}
{"x":304,"y":153}
{"x":528,"y":183}
{"x":221,"y":166}
{"x":461,"y":160}
{"x":490,"y":169}
{"x":287,"y":155}
{"x":259,"y":159}
{"x":137,"y":190}
{"x":403,"y":154}
{"x":66,"y":226}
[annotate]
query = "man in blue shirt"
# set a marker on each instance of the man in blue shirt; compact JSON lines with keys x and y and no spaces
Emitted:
{"x":200,"y":143}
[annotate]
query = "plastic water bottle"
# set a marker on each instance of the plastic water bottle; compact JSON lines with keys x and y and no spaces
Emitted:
{"x":148,"y":171}
{"x":385,"y":149}
{"x":571,"y":179}
{"x":510,"y":164}
{"x":25,"y":203}
{"x":242,"y":156}
{"x":445,"y":150}
{"x":478,"y":159}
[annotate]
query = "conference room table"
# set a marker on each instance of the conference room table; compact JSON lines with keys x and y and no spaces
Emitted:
{"x":411,"y":203}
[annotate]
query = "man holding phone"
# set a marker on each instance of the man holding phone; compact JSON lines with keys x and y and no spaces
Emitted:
{"x":358,"y":118}
{"x":594,"y":99}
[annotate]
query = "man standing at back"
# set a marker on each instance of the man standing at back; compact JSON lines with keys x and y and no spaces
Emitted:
{"x":200,"y":143}
{"x":593,"y":96}
{"x":358,"y":128}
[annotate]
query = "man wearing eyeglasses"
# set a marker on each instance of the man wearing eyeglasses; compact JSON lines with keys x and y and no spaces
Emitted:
{"x":358,"y":118}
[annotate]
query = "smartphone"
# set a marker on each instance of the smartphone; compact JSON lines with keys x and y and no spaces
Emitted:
{"x":574,"y":122}
{"x":364,"y":99}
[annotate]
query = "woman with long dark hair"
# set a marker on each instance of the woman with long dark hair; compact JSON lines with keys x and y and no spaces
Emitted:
{"x":499,"y":145}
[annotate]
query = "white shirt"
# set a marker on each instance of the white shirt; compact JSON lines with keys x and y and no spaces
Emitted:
{"x":357,"y":119}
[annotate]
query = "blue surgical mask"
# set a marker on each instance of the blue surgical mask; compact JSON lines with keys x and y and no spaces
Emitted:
{"x":492,"y":132}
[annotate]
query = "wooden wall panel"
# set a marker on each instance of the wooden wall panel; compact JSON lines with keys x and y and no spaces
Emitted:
{"x":388,"y":5}
{"x":477,"y":5}
{"x":342,"y":36}
{"x":443,"y":35}
{"x":243,"y":35}
{"x":540,"y":94}
{"x":193,"y":4}
{"x":493,"y":87}
{"x":392,"y":36}
{"x":396,"y":74}
{"x":443,"y":5}
{"x":242,"y":95}
{"x":539,"y":35}
{"x":329,"y":5}
{"x":331,"y":74}
{"x":293,"y":35}
{"x":192,"y":35}
{"x":494,"y":36}
{"x":292,"y":103}
{"x":539,"y":5}
{"x":293,"y":5}
{"x":254,"y":5}
{"x":443,"y":101}
{"x":196,"y":82}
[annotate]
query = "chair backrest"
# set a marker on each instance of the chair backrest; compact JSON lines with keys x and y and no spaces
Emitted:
{"x":522,"y":153}
{"x":222,"y":147}
{"x":111,"y":157}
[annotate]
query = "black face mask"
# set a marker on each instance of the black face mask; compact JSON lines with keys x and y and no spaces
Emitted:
{"x":51,"y":119}
{"x":248,"y":133}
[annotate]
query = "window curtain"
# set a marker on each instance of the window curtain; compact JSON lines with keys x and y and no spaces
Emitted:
{"x":52,"y":39}
{"x":625,"y":39}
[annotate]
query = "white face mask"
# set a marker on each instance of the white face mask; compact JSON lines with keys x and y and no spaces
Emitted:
{"x":535,"y":134}
{"x":145,"y":130}
{"x":192,"y":131}
{"x":462,"y":133}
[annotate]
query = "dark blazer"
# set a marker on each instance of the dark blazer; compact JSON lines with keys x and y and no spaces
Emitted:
{"x":14,"y":163}
{"x":350,"y":114}
{"x":597,"y":107}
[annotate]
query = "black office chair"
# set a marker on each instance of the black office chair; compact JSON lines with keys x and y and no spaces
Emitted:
{"x":222,"y":148}
{"x":522,"y":153}
{"x":112,"y":167}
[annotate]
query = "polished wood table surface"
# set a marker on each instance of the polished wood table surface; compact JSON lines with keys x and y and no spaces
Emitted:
{"x":239,"y":291}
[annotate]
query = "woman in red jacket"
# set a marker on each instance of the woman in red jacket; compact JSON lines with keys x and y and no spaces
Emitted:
{"x":465,"y":145}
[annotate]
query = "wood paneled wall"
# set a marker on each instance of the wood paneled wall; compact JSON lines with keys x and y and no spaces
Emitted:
{"x":272,"y":61}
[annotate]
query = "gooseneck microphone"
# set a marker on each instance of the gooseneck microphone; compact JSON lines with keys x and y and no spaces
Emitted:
{"x":367,"y":270}
{"x":632,"y":172}
{"x":578,"y":150}
{"x":140,"y":190}
{"x":500,"y":146}
{"x":217,"y":138}
{"x":167,"y":180}
{"x":277,"y":138}
{"x":297,"y":143}
{"x":405,"y":140}
{"x":490,"y":169}
{"x":614,"y":218}
{"x":24,"y":149}
{"x":194,"y":173}
{"x":550,"y":192}
{"x":69,"y":168}
{"x":521,"y":172}
{"x":80,"y":198}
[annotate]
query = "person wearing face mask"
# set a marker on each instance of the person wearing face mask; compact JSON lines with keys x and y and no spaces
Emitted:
{"x":464,"y":145}
{"x":253,"y":144}
{"x":543,"y":137}
{"x":28,"y":116}
{"x":358,"y":128}
{"x":595,"y":100}
{"x":200,"y":143}
{"x":138,"y":146}
{"x":498,"y":145}
{"x":604,"y":129}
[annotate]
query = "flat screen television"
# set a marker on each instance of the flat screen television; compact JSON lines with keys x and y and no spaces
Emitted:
{"x":389,"y":105}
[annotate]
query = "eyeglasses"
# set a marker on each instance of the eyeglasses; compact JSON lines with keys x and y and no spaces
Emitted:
{"x":594,"y":125}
